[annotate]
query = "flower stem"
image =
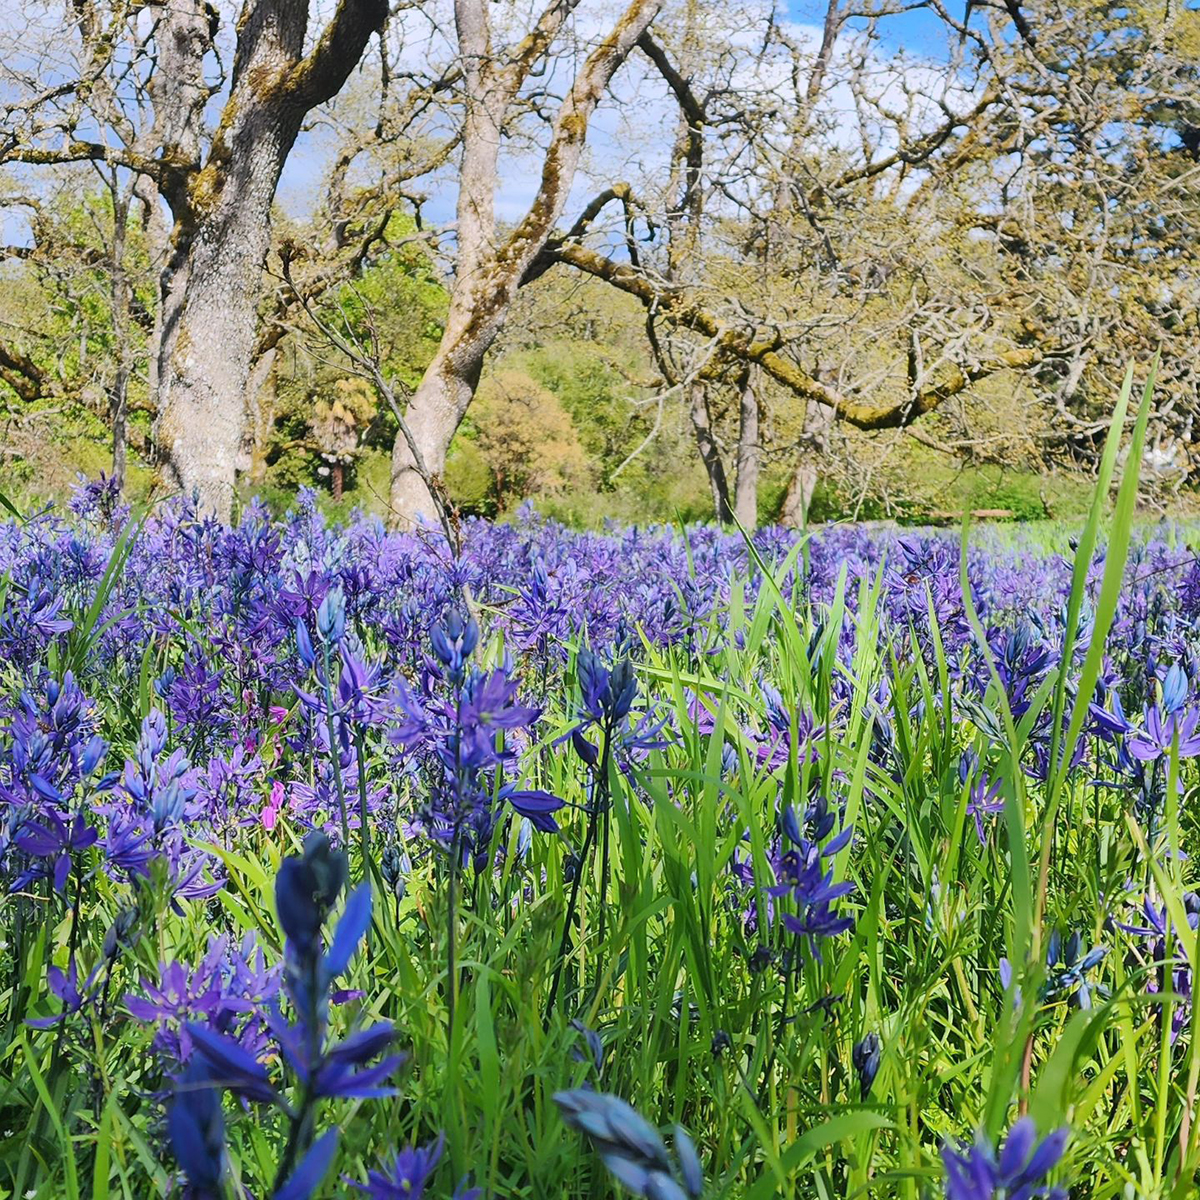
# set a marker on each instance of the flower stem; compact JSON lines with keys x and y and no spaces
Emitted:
{"x":605,"y":807}
{"x":451,"y":966}
{"x":600,"y":799}
{"x":334,"y":757}
{"x":364,"y":830}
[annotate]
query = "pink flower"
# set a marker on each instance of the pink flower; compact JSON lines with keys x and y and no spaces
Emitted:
{"x":271,"y":810}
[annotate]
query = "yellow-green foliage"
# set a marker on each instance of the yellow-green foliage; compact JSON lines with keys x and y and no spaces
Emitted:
{"x":524,"y":440}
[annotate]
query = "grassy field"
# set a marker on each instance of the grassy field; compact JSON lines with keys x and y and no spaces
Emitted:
{"x":855,"y":864}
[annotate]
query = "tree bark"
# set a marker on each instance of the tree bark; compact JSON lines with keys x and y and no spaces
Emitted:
{"x":260,"y":404}
{"x":745,"y":503}
{"x":814,"y":442}
{"x":204,"y":357}
{"x":434,"y":414}
{"x":710,"y":453}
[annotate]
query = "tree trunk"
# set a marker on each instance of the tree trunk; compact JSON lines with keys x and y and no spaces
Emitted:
{"x":710,"y":454}
{"x":814,"y":443}
{"x":434,"y":413}
{"x":121,"y":294}
{"x":479,"y":300}
{"x":118,"y":412}
{"x":211,"y":287}
{"x":204,"y":358}
{"x":798,"y":497}
{"x":260,"y":403}
{"x":745,"y":502}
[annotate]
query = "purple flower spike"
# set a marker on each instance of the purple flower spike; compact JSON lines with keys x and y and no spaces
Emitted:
{"x":1017,"y":1173}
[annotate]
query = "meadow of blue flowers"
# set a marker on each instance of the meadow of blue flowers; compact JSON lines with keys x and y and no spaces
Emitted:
{"x":661,"y":862}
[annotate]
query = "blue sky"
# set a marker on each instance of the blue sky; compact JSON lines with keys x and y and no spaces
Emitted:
{"x":920,"y":33}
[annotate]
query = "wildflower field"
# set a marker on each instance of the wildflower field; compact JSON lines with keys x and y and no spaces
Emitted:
{"x":665,"y":862}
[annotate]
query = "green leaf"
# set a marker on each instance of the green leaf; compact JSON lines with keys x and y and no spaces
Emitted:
{"x":838,"y":1128}
{"x":51,"y":1109}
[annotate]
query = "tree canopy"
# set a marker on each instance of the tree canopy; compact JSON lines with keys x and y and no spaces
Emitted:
{"x":790,"y":252}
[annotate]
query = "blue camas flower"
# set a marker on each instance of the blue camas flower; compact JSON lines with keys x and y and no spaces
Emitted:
{"x":458,"y":727}
{"x":196,"y":1129}
{"x":52,"y":838}
{"x":454,"y":640}
{"x":1070,"y":966}
{"x":1161,"y":728}
{"x":804,"y":875}
{"x":65,"y":986}
{"x":229,"y":990}
{"x":331,"y":616}
{"x":607,"y":697}
{"x":631,"y":1148}
{"x":404,"y":1177}
{"x":1175,"y":689}
{"x":608,"y":693}
{"x":1173,"y":974}
{"x":1018,"y":1172}
{"x":865,"y":1056}
{"x":307,"y":888}
{"x":983,"y":801}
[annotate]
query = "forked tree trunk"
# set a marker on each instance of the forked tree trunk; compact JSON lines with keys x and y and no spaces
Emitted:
{"x":211,"y":286}
{"x":490,"y":269}
{"x":479,"y":302}
{"x":204,"y":356}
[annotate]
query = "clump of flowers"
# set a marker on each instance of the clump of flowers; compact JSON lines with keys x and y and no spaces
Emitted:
{"x":803,"y":900}
{"x":1017,"y":1172}
{"x":153,"y":811}
{"x":457,"y":725}
{"x":229,"y":989}
{"x":1068,"y":967}
{"x":307,"y":888}
{"x":805,"y":877}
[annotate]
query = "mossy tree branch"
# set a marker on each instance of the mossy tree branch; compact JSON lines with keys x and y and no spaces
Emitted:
{"x":739,"y":345}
